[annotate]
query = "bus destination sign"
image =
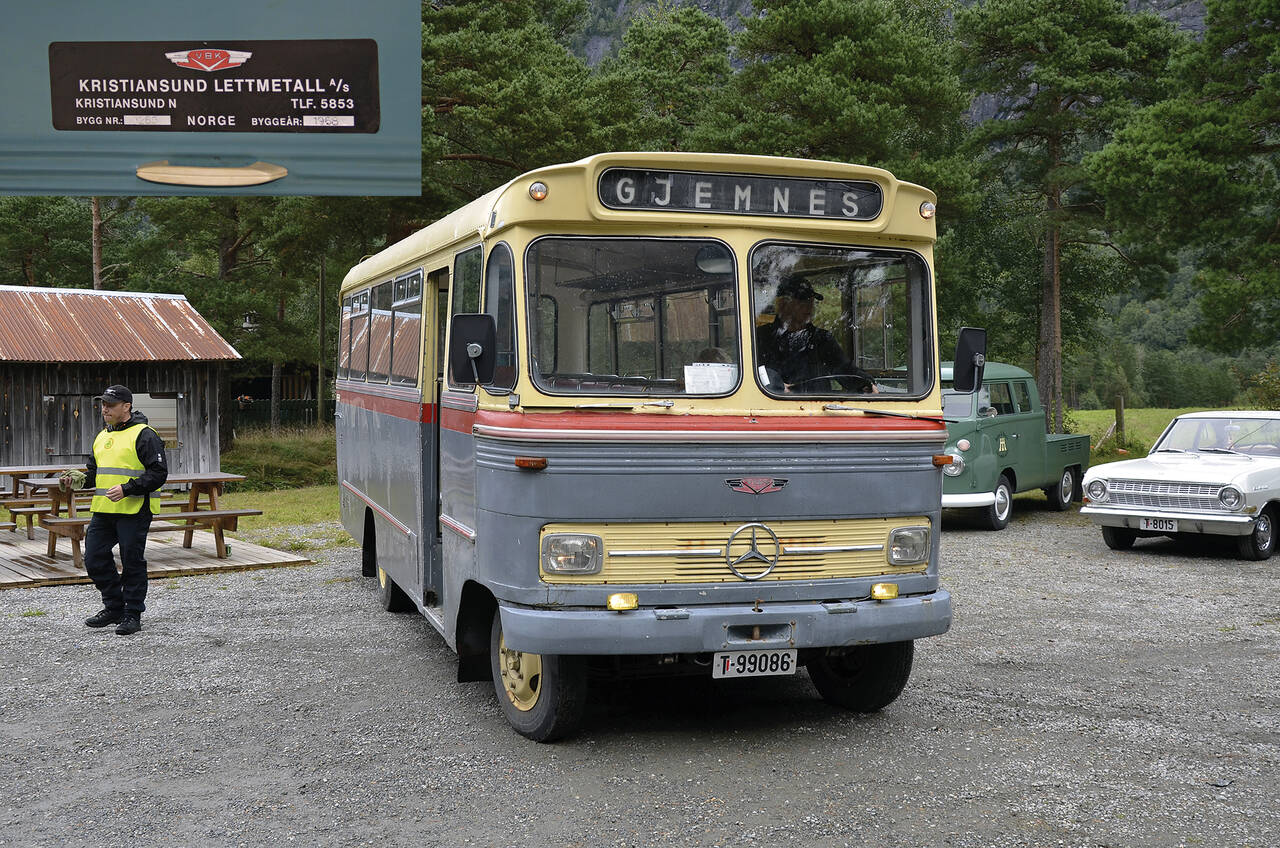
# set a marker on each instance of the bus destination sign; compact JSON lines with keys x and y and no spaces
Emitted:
{"x":740,"y":194}
{"x":295,"y":86}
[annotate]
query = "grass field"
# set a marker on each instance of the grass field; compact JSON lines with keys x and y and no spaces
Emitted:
{"x":305,"y":519}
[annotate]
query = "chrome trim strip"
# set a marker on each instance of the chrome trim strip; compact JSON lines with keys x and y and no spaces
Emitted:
{"x":458,"y":527}
{"x":395,"y":522}
{"x":520,"y":434}
{"x":693,"y":552}
{"x":460,"y":401}
{"x":822,"y":549}
{"x":1129,"y":511}
{"x":965,"y":501}
{"x":386,"y":390}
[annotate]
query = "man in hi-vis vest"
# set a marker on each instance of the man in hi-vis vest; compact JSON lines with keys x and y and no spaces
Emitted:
{"x":127,"y":469}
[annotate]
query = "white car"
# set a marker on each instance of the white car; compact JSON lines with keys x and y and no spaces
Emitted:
{"x":1216,"y":473}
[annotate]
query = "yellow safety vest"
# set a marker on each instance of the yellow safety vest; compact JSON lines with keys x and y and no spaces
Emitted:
{"x":116,"y":453}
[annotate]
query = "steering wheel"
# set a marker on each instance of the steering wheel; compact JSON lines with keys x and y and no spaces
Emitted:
{"x":867,"y":384}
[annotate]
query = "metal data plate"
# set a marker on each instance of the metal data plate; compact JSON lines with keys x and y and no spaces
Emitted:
{"x":315,"y":97}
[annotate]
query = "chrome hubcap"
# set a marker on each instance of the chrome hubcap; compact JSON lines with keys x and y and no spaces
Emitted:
{"x":1002,"y":503}
{"x":1262,"y":533}
{"x":1065,"y":487}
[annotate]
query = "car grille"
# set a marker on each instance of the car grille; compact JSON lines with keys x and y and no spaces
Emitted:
{"x":693,"y":552}
{"x":1144,"y":493}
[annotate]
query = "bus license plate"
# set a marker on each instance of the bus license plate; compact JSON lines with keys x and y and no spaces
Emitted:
{"x":1160,"y":525}
{"x":753,"y":663}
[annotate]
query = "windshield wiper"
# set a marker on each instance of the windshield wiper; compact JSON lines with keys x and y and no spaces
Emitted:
{"x":840,"y":407}
{"x":1170,"y":450}
{"x":1222,"y":450}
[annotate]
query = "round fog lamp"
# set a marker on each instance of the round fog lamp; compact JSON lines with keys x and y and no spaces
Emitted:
{"x":538,"y":191}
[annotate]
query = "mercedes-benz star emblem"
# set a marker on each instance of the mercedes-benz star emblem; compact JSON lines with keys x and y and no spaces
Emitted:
{"x":759,"y":534}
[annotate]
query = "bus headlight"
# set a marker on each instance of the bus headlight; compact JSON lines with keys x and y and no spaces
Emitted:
{"x":572,"y":553}
{"x":1097,"y":490}
{"x":909,"y":545}
{"x":1230,"y":497}
{"x":956,"y":468}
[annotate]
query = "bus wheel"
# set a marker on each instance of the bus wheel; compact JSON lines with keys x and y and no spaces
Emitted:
{"x":996,"y":516}
{"x":542,"y":696}
{"x":863,"y":679}
{"x":391,"y":596}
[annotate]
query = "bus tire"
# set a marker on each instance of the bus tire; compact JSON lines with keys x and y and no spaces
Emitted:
{"x":391,"y":596}
{"x":369,"y":549}
{"x":863,"y":679}
{"x":996,"y":516}
{"x":1061,"y":494}
{"x":543,"y":696}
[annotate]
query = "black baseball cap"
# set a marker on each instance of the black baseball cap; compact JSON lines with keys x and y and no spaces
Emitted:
{"x":797,"y":288}
{"x":115,"y":394}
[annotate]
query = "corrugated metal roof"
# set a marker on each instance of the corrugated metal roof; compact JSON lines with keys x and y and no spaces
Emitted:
{"x":82,"y":325}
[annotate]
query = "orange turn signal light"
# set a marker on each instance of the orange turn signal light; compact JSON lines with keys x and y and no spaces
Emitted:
{"x":941,"y":459}
{"x":531,"y":463}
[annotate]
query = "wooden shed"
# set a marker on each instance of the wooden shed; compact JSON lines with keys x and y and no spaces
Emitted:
{"x":61,"y":347}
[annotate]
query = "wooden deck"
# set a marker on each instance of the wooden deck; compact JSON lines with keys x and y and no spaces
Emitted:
{"x":23,"y":562}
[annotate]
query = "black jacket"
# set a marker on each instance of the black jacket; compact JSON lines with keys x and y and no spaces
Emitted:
{"x":150,"y":449}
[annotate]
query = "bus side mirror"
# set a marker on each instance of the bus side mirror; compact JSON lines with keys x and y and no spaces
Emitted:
{"x":473,"y":345}
{"x":970,"y":361}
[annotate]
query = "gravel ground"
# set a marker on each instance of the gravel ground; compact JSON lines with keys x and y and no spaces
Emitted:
{"x":1082,"y":698}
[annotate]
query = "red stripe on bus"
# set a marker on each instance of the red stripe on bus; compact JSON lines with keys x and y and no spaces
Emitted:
{"x":409,"y":410}
{"x":457,"y":420}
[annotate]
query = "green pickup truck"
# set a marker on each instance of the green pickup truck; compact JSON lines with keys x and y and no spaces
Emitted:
{"x":999,"y":446}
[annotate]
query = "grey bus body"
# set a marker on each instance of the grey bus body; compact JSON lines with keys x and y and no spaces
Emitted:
{"x":448,"y":488}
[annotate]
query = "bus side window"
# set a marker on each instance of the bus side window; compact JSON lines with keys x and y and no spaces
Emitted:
{"x":466,"y":282}
{"x":406,"y":329}
{"x":500,"y":302}
{"x":359,"y":336}
{"x":344,"y":339}
{"x":380,"y":334}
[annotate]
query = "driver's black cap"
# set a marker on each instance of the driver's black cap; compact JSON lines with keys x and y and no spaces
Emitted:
{"x":798,"y":288}
{"x":115,"y":394}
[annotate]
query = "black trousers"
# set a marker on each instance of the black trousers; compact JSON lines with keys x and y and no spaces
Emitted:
{"x":126,"y":589}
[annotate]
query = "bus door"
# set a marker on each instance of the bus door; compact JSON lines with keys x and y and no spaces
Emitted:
{"x":436,"y":302}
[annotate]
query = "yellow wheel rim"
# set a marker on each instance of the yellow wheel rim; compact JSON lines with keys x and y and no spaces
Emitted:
{"x":521,"y":676}
{"x":382,"y":577}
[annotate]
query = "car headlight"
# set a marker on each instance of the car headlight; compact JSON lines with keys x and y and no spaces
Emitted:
{"x":908,"y":545}
{"x":1231,"y":497}
{"x":572,"y":553}
{"x":1097,"y":490}
{"x":956,"y":466}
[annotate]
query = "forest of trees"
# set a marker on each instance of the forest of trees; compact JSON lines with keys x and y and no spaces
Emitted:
{"x":1115,"y":225}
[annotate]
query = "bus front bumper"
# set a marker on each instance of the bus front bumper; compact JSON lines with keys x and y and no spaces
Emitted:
{"x":693,"y":629}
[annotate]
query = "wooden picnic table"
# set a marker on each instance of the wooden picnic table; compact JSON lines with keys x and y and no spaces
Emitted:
{"x":201,"y":510}
{"x":53,"y":521}
{"x":15,"y":473}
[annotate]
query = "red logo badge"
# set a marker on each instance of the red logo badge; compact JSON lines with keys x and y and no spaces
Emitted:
{"x":756,"y":485}
{"x":209,"y":58}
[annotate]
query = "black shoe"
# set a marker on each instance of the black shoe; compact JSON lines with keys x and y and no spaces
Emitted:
{"x":103,"y":618}
{"x":131,"y":623}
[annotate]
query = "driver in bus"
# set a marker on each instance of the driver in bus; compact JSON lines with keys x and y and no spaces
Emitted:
{"x":795,"y":354}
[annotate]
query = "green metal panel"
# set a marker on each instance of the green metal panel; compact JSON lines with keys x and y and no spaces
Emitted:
{"x":329,"y":90}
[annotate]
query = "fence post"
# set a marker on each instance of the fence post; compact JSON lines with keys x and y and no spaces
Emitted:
{"x":1120,"y":419}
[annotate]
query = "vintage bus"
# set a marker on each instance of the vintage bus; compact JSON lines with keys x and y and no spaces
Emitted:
{"x":661,"y":412}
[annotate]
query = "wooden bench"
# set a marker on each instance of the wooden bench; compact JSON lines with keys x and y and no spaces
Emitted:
{"x":216,"y":520}
{"x":7,"y":525}
{"x":30,"y":513}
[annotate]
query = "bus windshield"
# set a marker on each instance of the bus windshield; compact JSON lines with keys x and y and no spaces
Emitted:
{"x":840,"y":321}
{"x":632,"y":316}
